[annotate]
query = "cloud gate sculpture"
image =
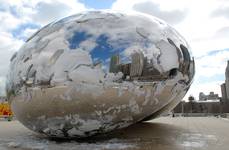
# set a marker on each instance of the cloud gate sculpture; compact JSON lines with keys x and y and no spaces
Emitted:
{"x":98,"y":71}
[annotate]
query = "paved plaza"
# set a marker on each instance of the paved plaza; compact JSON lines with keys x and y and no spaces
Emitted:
{"x":165,"y":133}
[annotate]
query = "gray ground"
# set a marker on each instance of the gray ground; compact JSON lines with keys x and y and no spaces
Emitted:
{"x":164,"y":133}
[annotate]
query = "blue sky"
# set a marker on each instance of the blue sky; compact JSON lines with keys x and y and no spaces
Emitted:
{"x":18,"y":31}
{"x":98,"y":4}
{"x":205,"y":28}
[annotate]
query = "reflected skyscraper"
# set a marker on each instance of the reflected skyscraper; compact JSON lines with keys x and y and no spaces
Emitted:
{"x":114,"y":63}
{"x":140,"y":68}
{"x":137,"y":64}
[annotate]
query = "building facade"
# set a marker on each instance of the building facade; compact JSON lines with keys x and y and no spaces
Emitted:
{"x":227,"y":78}
{"x":210,"y":96}
{"x":225,"y":86}
{"x":212,"y":107}
{"x":202,"y":96}
{"x":140,"y":68}
{"x":137,"y":64}
{"x":114,"y":63}
{"x":224,"y":92}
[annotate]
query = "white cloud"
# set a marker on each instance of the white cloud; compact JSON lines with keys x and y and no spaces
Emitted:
{"x":16,"y":13}
{"x":8,"y":45}
{"x":206,"y":68}
{"x":40,"y":11}
{"x":221,"y":11}
{"x":222,"y":33}
{"x":28,"y":32}
{"x":149,"y":7}
{"x":196,"y":24}
{"x":8,"y":21}
{"x":46,"y":11}
{"x":204,"y":87}
{"x":204,"y":24}
{"x":213,"y":64}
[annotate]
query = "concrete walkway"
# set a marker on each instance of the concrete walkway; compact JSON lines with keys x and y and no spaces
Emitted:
{"x":165,"y":133}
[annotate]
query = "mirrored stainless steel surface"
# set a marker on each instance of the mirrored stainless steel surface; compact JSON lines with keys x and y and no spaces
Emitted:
{"x":98,"y":71}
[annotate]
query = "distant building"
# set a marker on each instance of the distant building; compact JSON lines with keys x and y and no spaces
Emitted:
{"x":204,"y":107}
{"x":213,"y":96}
{"x":225,"y":86}
{"x":140,"y":68}
{"x":208,"y":104}
{"x":202,"y":96}
{"x":150,"y":72}
{"x":125,"y":69}
{"x":224,"y":92}
{"x":210,"y":96}
{"x":227,"y":79}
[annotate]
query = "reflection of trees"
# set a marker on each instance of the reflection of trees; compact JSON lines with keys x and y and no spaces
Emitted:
{"x":191,"y":100}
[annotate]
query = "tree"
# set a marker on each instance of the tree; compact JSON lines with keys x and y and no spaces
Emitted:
{"x":191,"y":98}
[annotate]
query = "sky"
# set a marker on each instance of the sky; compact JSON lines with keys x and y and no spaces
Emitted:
{"x":203,"y":23}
